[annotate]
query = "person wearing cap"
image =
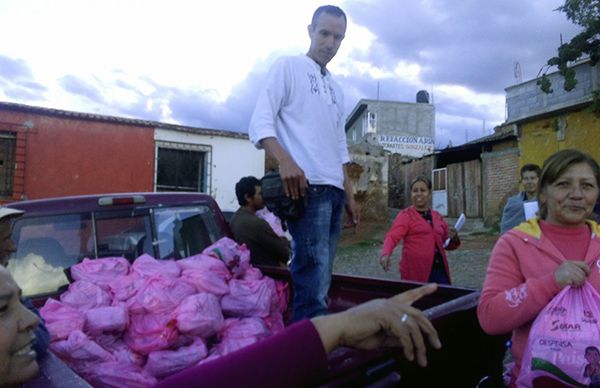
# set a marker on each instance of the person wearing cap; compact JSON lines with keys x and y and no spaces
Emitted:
{"x":7,"y":248}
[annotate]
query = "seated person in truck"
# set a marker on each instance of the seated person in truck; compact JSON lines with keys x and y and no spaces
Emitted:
{"x":266,"y":247}
{"x":7,"y":248}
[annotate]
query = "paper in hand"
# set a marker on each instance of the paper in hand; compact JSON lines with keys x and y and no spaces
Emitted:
{"x":530,"y":209}
{"x":458,"y":226}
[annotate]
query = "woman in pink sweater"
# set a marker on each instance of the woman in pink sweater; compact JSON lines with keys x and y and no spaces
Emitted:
{"x":531,"y":263}
{"x":424,"y":232}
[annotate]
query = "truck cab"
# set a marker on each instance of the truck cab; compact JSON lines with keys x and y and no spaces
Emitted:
{"x":55,"y":234}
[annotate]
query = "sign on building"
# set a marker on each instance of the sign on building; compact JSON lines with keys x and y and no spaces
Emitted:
{"x":416,"y":146}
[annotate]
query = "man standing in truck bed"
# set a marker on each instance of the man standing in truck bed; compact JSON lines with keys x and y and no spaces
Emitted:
{"x":299,"y":120}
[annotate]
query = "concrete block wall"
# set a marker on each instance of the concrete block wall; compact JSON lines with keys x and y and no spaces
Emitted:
{"x":500,"y":181}
{"x":527,"y":99}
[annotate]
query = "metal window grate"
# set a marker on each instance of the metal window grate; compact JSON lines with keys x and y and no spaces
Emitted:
{"x":7,"y":163}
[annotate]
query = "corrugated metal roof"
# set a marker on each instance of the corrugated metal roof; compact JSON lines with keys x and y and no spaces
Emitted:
{"x":12,"y":106}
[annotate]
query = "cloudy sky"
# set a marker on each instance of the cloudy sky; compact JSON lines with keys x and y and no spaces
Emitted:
{"x":202,"y":63}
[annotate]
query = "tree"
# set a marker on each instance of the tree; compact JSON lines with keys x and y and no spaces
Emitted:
{"x":585,"y":13}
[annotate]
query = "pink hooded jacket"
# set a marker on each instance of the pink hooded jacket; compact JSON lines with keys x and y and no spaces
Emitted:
{"x":419,"y":243}
{"x":520,"y":282}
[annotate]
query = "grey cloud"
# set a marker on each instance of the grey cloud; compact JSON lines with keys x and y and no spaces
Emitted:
{"x":468,"y":42}
{"x":198,"y":107}
{"x":18,"y":82}
{"x":14,"y":69}
{"x":80,"y":87}
{"x":22,"y":94}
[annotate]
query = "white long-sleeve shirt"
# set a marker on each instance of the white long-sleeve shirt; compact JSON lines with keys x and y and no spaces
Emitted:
{"x":303,"y":109}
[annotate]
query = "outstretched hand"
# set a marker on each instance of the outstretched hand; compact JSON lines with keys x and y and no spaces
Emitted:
{"x":386,"y":262}
{"x":382,"y":322}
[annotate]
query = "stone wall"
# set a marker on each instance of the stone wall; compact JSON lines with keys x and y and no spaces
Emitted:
{"x":368,"y":172}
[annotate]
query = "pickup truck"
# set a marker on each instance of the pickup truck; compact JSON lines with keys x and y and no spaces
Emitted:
{"x":57,"y":233}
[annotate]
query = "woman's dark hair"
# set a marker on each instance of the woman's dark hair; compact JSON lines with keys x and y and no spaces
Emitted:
{"x":557,"y":164}
{"x":246,"y":186}
{"x":421,"y":178}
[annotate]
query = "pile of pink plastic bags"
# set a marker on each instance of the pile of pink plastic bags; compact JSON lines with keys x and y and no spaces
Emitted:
{"x":128,"y":325}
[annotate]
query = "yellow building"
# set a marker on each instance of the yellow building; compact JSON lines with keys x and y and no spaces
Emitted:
{"x":546,"y":123}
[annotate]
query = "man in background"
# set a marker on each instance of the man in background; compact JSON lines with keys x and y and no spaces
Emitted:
{"x":299,"y":121}
{"x":266,"y":247}
{"x":514,"y":211}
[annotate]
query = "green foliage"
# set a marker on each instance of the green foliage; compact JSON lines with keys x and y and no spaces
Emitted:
{"x":585,"y":13}
{"x":595,"y":107}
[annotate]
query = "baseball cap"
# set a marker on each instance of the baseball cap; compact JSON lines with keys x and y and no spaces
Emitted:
{"x":8,"y":211}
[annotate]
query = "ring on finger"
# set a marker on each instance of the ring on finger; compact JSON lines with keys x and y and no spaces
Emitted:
{"x":404,"y":318}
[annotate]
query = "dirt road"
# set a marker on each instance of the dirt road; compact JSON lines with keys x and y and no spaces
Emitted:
{"x":358,"y":253}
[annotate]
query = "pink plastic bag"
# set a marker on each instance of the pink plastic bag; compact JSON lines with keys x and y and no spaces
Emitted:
{"x":61,"y":320}
{"x":146,"y":266}
{"x":125,"y":287}
{"x":103,"y":319}
{"x":100,"y":271}
{"x":274,"y":322}
{"x":84,"y":295}
{"x":199,"y":315}
{"x":253,"y":273}
{"x":150,"y":332}
{"x":166,"y":362}
{"x":81,"y":353}
{"x":236,"y":257}
{"x":205,"y":263}
{"x":564,"y":340}
{"x":239,"y":333}
{"x":282,"y":297}
{"x":117,"y":374}
{"x":206,"y":274}
{"x":159,"y":295}
{"x":119,"y":349}
{"x":249,"y":298}
{"x":272,"y":220}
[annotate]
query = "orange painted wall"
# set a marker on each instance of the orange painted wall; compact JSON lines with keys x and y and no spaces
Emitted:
{"x":59,"y":156}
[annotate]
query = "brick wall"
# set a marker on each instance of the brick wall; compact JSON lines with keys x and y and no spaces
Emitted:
{"x":500,"y":180}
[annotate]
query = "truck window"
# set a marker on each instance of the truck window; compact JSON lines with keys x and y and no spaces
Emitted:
{"x":46,"y":246}
{"x":124,"y":236}
{"x":184,"y":231}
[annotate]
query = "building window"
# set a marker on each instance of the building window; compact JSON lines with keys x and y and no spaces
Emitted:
{"x":182,"y":167}
{"x":372,"y":119}
{"x":7,"y":163}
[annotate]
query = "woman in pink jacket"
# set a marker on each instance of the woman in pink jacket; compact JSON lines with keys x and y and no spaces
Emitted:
{"x":531,"y":263}
{"x":424,"y":232}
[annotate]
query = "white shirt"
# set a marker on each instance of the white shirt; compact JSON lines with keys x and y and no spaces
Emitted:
{"x":303,"y":109}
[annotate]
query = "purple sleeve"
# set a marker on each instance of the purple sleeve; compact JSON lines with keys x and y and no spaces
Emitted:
{"x":290,"y":358}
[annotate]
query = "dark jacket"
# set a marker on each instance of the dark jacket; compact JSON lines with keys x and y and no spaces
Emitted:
{"x":266,"y":248}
